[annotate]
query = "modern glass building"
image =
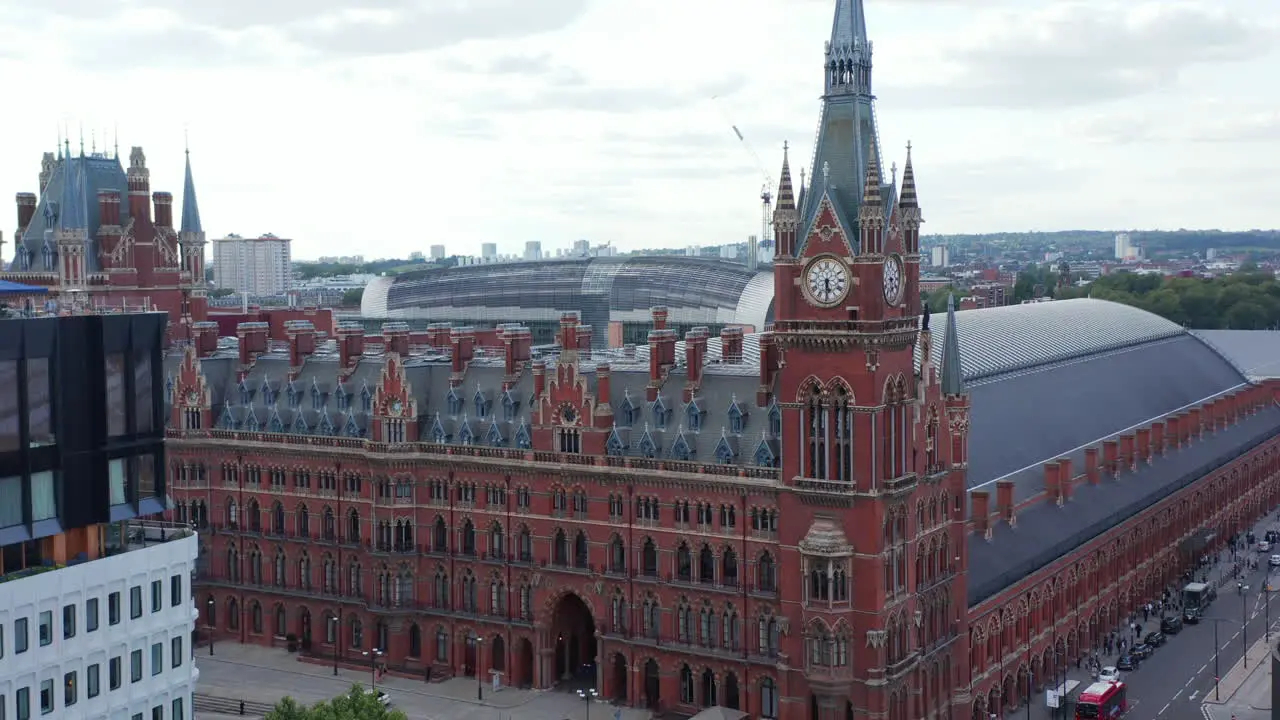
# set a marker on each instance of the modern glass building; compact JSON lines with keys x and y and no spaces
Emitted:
{"x":612,"y":294}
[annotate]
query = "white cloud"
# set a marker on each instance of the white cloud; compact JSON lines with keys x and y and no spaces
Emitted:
{"x":404,"y":124}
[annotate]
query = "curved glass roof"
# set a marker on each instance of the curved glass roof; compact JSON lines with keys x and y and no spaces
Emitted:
{"x":995,"y":341}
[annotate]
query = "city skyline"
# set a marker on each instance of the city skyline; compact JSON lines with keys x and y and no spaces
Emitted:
{"x":554,"y":126}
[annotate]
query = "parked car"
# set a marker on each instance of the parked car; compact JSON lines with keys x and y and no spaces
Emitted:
{"x":1127,"y":662}
{"x":1154,"y":639}
{"x":1275,"y":561}
{"x":1191,"y":616}
{"x":1264,"y":546}
{"x":1109,"y":674}
{"x":384,"y":699}
{"x":1142,"y":651}
{"x":1171,"y":625}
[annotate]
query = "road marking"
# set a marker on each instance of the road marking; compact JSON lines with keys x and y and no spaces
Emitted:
{"x":1203,"y":667}
{"x":1193,"y":695}
{"x":1166,"y":707}
{"x":1175,"y":695}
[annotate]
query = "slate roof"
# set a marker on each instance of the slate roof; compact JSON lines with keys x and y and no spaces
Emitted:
{"x":1255,"y":352}
{"x":79,"y":178}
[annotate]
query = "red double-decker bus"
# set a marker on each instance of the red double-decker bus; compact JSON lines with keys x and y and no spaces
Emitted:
{"x":1102,"y":701}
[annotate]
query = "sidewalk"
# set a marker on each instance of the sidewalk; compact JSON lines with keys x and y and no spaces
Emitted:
{"x":1259,"y":657}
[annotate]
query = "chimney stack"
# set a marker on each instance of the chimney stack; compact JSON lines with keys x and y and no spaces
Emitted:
{"x":1126,"y":453}
{"x":1066,"y":478}
{"x":584,"y":341}
{"x":981,"y":512}
{"x":659,"y":315}
{"x":1157,"y":439}
{"x":395,"y":338}
{"x":164,"y":209}
{"x":568,"y":332}
{"x":463,"y":340}
{"x":1091,"y":465}
{"x":1053,"y":481}
{"x":731,"y":340}
{"x":1144,"y":447}
{"x":1195,"y":426}
{"x":539,"y":378}
{"x":204,"y":335}
{"x":1174,"y":424}
{"x":1111,"y":457}
{"x":695,"y":354}
{"x":253,"y":341}
{"x":768,"y":367}
{"x":438,"y":336}
{"x":1004,"y":501}
{"x":109,"y":207}
{"x":302,"y":341}
{"x":662,"y":354}
{"x":604,"y":387}
{"x":517,"y":347}
{"x":26,"y":209}
{"x":350,"y":344}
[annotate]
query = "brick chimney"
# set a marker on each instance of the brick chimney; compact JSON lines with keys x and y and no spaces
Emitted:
{"x":1195,"y":429}
{"x":659,"y":315}
{"x":517,"y":348}
{"x":26,"y":209}
{"x":1157,"y":439}
{"x":253,"y":341}
{"x":109,"y":207}
{"x":662,"y":357}
{"x":438,"y":336}
{"x":204,"y":335}
{"x":568,"y":337}
{"x":981,"y":512}
{"x":1111,"y":457}
{"x":604,"y":388}
{"x":1004,"y":501}
{"x":1091,"y":465}
{"x":539,"y":378}
{"x":584,"y":341}
{"x":731,"y":345}
{"x":695,"y":354}
{"x":164,"y":209}
{"x":302,"y":341}
{"x":1174,"y":423}
{"x":1066,"y":478}
{"x":350,"y":344}
{"x":463,"y":341}
{"x":1126,"y":453}
{"x":1144,"y":447}
{"x":395,"y":338}
{"x":1053,"y":481}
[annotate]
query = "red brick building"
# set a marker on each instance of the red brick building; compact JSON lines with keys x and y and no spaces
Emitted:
{"x":91,"y":238}
{"x":797,"y":523}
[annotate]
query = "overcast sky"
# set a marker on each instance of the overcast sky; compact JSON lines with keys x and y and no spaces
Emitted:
{"x":404,"y":124}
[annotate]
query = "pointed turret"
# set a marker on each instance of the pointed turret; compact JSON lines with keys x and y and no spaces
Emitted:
{"x":190,"y":210}
{"x":909,"y":209}
{"x":73,"y":212}
{"x":786,"y":219}
{"x":952,"y":380}
{"x":871,"y":212}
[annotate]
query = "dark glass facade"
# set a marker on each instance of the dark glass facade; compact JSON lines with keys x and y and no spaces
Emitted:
{"x":81,"y":425}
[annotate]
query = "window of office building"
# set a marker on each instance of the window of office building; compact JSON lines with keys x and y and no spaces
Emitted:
{"x":44,"y":496}
{"x":10,"y":500}
{"x":9,"y":406}
{"x":117,"y":410}
{"x":142,"y":391}
{"x":39,"y":403}
{"x":117,"y":479}
{"x":135,"y":666}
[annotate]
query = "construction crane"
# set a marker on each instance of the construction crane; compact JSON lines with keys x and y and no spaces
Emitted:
{"x":766,"y":190}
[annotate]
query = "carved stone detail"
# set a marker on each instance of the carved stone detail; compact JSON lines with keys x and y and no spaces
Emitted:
{"x":876,"y":638}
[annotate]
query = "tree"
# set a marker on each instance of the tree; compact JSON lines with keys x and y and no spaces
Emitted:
{"x":1242,"y":301}
{"x":352,"y":297}
{"x":221,"y":292}
{"x":357,"y":704}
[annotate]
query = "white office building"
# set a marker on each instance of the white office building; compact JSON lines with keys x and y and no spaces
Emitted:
{"x":257,"y":266}
{"x":106,"y":638}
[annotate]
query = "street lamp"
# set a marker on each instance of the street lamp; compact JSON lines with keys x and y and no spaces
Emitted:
{"x":587,"y":696}
{"x":1244,"y":624}
{"x":337,"y":637}
{"x":373,"y":656}
{"x":479,"y":680}
{"x":211,"y":610}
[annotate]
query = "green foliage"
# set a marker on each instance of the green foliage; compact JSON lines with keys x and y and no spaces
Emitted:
{"x":352,"y":297}
{"x":1178,"y":242}
{"x":357,"y":704}
{"x":221,"y":292}
{"x":1242,"y":301}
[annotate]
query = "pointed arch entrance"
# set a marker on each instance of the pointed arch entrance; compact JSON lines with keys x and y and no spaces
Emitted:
{"x":523,"y":661}
{"x":573,"y":632}
{"x":498,"y":655}
{"x":619,"y":672}
{"x":652,"y":685}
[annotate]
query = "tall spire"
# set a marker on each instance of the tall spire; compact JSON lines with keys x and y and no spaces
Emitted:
{"x":190,"y":210}
{"x":849,"y":27}
{"x":849,"y":51}
{"x":871,"y":202}
{"x":907,"y":197}
{"x":952,"y":374}
{"x":786,"y":194}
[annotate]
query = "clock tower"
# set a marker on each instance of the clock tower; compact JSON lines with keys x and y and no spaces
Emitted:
{"x":863,"y":423}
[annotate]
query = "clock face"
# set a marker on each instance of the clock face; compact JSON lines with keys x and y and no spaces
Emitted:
{"x":826,"y":281}
{"x":568,"y":415}
{"x":193,"y":397}
{"x":396,"y":406}
{"x":893,"y":280}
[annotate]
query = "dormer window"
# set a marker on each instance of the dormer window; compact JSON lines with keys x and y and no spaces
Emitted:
{"x":510,"y":406}
{"x":482,"y":404}
{"x":366,"y":399}
{"x":775,"y":420}
{"x":724,"y":451}
{"x":317,"y":398}
{"x":295,"y":397}
{"x":226,"y":421}
{"x":299,"y":425}
{"x":275,"y":424}
{"x":523,"y":441}
{"x":737,"y":418}
{"x":343,"y":399}
{"x":660,"y":414}
{"x":693,"y":416}
{"x":252,"y":424}
{"x":464,"y":433}
{"x":325,"y":427}
{"x":680,"y":449}
{"x":246,"y":395}
{"x":453,"y":402}
{"x":268,"y":397}
{"x":627,"y":413}
{"x":765,"y":456}
{"x":351,"y":429}
{"x":614,"y":445}
{"x":494,"y":437}
{"x":438,"y":435}
{"x":648,"y":447}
